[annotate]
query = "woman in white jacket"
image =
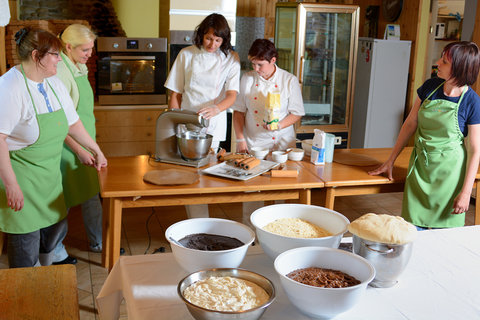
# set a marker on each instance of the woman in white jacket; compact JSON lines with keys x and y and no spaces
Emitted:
{"x":205,"y":78}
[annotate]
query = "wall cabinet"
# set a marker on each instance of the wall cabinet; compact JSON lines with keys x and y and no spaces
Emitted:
{"x":317,"y":43}
{"x":127,"y":130}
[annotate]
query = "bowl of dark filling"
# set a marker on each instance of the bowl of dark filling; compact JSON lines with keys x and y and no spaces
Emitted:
{"x":204,"y":243}
{"x":323,"y":282}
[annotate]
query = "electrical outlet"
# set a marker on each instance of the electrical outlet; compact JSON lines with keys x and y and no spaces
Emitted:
{"x":338,"y":140}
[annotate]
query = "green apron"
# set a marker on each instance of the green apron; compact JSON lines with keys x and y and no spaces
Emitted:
{"x":37,"y":171}
{"x":437,"y":166}
{"x":80,"y":182}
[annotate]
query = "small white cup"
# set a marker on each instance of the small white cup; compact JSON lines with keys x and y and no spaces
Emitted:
{"x":279,"y":156}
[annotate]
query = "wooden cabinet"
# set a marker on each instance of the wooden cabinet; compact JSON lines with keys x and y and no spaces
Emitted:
{"x":127,"y":130}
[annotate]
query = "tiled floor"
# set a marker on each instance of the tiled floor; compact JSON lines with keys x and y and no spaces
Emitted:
{"x":138,"y":239}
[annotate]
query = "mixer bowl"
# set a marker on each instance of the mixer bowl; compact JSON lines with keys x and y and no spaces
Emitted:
{"x":194,"y":145}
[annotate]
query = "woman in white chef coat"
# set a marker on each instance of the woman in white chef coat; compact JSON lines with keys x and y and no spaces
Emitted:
{"x":36,"y":114}
{"x":249,"y":109}
{"x":205,"y":78}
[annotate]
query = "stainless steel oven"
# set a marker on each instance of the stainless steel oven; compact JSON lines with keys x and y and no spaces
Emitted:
{"x":131,"y":70}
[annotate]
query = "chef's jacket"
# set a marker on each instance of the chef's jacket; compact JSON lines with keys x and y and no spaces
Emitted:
{"x":202,"y":78}
{"x":252,"y":99}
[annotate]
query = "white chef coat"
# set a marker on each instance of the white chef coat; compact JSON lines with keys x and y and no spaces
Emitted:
{"x":17,"y":116}
{"x":202,"y":78}
{"x":251,"y":100}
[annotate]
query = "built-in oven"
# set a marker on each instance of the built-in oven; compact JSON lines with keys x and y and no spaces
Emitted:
{"x":131,"y":70}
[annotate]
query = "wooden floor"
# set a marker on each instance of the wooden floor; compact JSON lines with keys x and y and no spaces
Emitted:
{"x":137,"y":240}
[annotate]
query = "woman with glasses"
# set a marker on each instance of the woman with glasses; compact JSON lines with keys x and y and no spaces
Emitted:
{"x":36,"y":114}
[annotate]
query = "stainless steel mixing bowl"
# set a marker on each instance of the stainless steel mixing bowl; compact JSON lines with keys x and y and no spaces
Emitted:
{"x":194,"y":145}
{"x":389,"y":260}
{"x":200,"y":313}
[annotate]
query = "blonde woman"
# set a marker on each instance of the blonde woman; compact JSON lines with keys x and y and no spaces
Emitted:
{"x":80,"y":182}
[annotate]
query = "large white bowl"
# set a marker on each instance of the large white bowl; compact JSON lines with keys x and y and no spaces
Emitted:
{"x":273,"y":244}
{"x":323,"y":303}
{"x":193,"y":260}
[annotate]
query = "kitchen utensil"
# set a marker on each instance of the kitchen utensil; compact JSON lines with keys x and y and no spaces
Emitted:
{"x":279,"y":156}
{"x":389,"y":260}
{"x":318,"y":302}
{"x":166,"y":142}
{"x":194,"y":145}
{"x":171,"y":177}
{"x":192,"y":259}
{"x":206,"y":314}
{"x":273,"y":244}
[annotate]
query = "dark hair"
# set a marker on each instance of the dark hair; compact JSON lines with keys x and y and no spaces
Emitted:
{"x":262,"y":49}
{"x":220,"y":28}
{"x":29,"y":39}
{"x":465,"y":59}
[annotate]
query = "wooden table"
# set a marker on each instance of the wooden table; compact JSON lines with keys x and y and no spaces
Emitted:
{"x":347,"y":180}
{"x":39,"y":293}
{"x":122,"y":186}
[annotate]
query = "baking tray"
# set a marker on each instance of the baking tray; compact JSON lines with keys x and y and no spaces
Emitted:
{"x":229,"y":170}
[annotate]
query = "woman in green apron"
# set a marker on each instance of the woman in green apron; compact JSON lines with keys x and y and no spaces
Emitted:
{"x":446,"y":122}
{"x":36,"y":114}
{"x":80,"y":182}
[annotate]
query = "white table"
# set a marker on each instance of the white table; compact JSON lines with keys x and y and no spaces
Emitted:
{"x":442,"y":281}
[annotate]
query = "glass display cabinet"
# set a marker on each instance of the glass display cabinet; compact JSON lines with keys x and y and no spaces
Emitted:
{"x":318,"y":43}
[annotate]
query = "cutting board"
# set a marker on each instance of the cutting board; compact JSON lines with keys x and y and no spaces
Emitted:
{"x":171,"y":177}
{"x":355,"y":159}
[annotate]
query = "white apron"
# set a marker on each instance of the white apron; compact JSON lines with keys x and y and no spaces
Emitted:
{"x":202,"y":90}
{"x":255,"y":134}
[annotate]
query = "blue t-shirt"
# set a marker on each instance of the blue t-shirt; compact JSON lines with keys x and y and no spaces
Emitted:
{"x":469,"y":109}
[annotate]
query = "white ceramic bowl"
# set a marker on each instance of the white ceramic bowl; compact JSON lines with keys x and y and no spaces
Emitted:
{"x":259,"y":152}
{"x":324,"y":303}
{"x":193,"y":260}
{"x":307,"y":146}
{"x":273,"y":244}
{"x":296,"y":154}
{"x":200,"y":313}
{"x":279,"y":156}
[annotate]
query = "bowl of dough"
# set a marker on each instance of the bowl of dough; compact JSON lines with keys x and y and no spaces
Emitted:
{"x":281,"y":227}
{"x":205,"y":243}
{"x":226,"y":293}
{"x":387,"y":242}
{"x":323,"y":282}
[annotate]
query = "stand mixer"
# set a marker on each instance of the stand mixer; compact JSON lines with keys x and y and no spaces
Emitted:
{"x":166,"y":148}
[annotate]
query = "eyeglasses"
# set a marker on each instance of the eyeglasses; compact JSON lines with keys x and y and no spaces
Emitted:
{"x":56,"y":54}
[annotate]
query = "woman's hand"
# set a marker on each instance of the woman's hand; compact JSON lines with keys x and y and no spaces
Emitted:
{"x":14,"y":196}
{"x":461,"y":203}
{"x":86,"y":157}
{"x":386,"y":167}
{"x":269,"y":127}
{"x":242,"y":147}
{"x":100,"y":161}
{"x":209,"y":112}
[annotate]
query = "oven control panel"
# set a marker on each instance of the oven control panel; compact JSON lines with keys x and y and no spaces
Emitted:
{"x":121,"y":44}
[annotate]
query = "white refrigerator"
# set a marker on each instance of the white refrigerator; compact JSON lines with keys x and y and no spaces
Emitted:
{"x":380,"y":92}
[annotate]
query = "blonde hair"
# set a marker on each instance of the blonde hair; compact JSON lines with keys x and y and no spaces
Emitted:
{"x":77,"y":34}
